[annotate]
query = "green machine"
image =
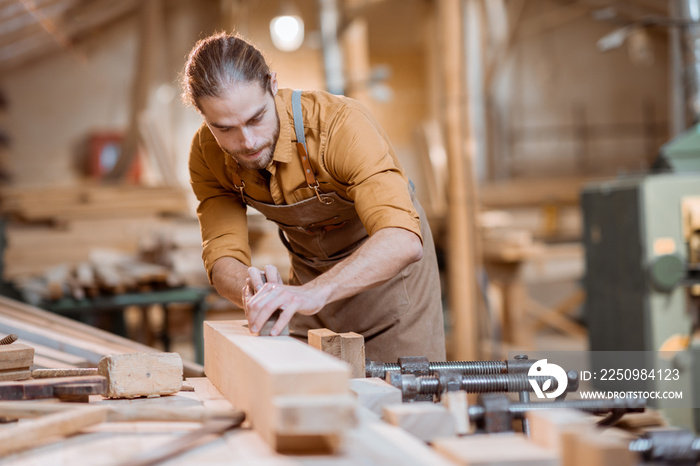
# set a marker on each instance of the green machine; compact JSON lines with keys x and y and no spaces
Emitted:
{"x":642,"y":240}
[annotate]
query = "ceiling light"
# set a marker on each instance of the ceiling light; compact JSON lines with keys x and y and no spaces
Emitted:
{"x":287,"y":32}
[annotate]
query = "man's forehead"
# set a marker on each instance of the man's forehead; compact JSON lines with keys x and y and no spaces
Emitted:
{"x":237,"y":104}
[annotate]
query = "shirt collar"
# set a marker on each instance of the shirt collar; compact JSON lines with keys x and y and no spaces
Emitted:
{"x":283,"y":150}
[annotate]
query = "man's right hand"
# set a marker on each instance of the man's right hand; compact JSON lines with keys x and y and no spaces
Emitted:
{"x":255,"y":282}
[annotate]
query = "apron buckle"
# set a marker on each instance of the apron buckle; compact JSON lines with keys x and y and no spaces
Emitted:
{"x":241,"y":187}
{"x":323,"y":199}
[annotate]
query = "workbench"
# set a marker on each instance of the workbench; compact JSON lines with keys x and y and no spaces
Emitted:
{"x":110,"y":444}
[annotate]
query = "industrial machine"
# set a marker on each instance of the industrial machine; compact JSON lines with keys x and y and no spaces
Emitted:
{"x":642,"y":239}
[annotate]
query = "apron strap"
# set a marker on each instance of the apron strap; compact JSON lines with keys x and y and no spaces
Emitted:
{"x":238,"y":183}
{"x":311,"y":180}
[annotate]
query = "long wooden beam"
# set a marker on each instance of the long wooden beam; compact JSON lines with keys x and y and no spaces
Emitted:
{"x":461,"y":265}
{"x":297,"y":398}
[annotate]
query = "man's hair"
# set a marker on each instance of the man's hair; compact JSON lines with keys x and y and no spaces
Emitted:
{"x":218,"y":62}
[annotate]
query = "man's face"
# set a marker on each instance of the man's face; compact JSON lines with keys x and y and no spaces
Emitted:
{"x":245,"y":123}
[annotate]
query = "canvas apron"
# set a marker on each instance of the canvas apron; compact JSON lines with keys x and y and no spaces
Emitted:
{"x":402,"y":317}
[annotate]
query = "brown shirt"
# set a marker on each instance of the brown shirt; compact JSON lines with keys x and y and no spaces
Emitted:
{"x":349,"y":154}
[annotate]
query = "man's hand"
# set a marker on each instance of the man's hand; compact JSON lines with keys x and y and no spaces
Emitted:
{"x":261,"y":299}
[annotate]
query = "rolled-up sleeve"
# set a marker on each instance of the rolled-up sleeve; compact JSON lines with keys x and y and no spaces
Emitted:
{"x":221,"y":213}
{"x":359,"y":156}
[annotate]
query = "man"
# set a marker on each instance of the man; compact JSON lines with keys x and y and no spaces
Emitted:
{"x":323,"y":170}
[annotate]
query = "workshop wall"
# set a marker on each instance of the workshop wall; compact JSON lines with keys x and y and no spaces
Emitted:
{"x":562,"y":107}
{"x":55,"y":102}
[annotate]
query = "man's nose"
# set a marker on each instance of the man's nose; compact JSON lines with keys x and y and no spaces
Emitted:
{"x":247,"y":138}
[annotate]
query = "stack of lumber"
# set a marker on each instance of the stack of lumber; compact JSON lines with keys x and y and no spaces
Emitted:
{"x":60,"y":342}
{"x":33,"y":248}
{"x":54,"y":226}
{"x":108,"y":273}
{"x":57,"y":238}
{"x":91,"y":201}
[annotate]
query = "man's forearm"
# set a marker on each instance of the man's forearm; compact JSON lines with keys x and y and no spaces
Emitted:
{"x":384,"y":255}
{"x":229,"y":277}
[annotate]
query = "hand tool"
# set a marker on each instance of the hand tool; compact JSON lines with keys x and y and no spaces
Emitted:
{"x":495,"y":413}
{"x":425,"y":388}
{"x":420,"y":366}
{"x":267,"y":326}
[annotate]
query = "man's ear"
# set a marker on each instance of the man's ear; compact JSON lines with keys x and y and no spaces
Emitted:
{"x":273,"y":83}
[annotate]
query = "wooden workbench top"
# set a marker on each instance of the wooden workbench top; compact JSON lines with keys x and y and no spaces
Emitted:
{"x":113,"y":443}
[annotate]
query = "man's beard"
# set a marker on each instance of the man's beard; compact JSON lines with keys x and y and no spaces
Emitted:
{"x":268,"y":148}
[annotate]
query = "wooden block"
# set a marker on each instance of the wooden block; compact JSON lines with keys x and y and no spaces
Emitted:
{"x":601,"y":447}
{"x":555,"y":429}
{"x":424,"y":420}
{"x":495,"y":449}
{"x":22,"y":374}
{"x":349,"y":347}
{"x":457,"y":405}
{"x":374,"y":393}
{"x":252,"y":372}
{"x":325,"y":340}
{"x":16,"y":356}
{"x":352,"y":351}
{"x":141,"y":374}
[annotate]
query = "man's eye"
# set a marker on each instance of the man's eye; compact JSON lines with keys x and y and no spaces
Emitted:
{"x":224,"y":130}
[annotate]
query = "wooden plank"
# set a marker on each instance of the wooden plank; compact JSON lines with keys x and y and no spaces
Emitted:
{"x":495,"y":449}
{"x":36,"y":432}
{"x":381,"y":443}
{"x":375,"y":393}
{"x":42,"y":388}
{"x":69,"y":336}
{"x":49,"y":358}
{"x":141,"y":374}
{"x":15,"y":374}
{"x":424,"y":420}
{"x":16,"y":356}
{"x":251,"y":372}
{"x":91,"y":352}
